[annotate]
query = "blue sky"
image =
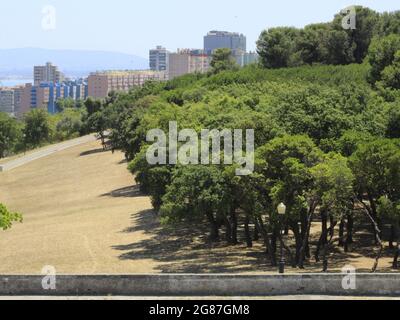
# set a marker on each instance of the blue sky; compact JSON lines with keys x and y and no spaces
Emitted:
{"x":134,"y":26}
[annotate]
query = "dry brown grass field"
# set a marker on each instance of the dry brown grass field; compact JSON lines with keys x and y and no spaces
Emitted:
{"x":83,"y":214}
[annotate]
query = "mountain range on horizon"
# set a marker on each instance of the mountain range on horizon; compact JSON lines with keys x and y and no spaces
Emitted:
{"x":73,"y":63}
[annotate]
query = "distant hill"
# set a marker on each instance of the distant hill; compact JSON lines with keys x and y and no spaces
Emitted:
{"x":20,"y":62}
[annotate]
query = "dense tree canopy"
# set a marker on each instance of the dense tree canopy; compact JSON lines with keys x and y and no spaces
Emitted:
{"x":10,"y":134}
{"x":324,"y":107}
{"x":316,"y":129}
{"x":326,"y":43}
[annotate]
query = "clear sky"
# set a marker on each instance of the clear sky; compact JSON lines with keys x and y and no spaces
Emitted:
{"x":134,"y":26}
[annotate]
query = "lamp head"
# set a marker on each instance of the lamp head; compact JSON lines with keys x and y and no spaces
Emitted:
{"x":282,"y":209}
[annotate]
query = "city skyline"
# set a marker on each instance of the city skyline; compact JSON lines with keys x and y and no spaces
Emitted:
{"x":113,"y":25}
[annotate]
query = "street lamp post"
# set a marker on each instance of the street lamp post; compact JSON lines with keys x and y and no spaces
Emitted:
{"x":281,"y":211}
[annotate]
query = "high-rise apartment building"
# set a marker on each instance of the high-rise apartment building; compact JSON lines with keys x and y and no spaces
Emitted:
{"x":186,"y":61}
{"x":100,"y":84}
{"x":47,"y":73}
{"x":223,"y":39}
{"x":7,"y":101}
{"x":158,"y":58}
{"x":22,"y":99}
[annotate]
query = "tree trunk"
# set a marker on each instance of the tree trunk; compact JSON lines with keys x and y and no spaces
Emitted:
{"x":396,"y":256}
{"x":324,"y":234}
{"x":341,"y":233}
{"x":306,"y":236}
{"x":377,"y":234}
{"x":349,"y":229}
{"x":287,"y":249}
{"x":228,"y":233}
{"x":374,"y":215}
{"x":256,"y":236}
{"x":234,"y":223}
{"x":267,"y":242}
{"x":392,"y":236}
{"x":249,"y":242}
{"x":214,"y":230}
{"x":397,"y":252}
{"x":274,"y":239}
{"x":298,"y":239}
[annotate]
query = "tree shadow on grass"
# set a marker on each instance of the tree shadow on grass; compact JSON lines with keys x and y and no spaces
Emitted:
{"x":185,"y":249}
{"x":92,"y":152}
{"x":126,"y":192}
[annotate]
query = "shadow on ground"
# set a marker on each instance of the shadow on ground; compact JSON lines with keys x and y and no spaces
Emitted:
{"x":126,"y":192}
{"x":187,"y":250}
{"x":93,"y":151}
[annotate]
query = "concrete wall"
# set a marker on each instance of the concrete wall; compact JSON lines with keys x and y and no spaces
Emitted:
{"x":203,"y":285}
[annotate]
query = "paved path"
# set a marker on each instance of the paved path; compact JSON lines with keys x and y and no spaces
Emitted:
{"x":44,"y":152}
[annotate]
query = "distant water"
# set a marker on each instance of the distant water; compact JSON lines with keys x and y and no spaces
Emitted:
{"x":14,"y":82}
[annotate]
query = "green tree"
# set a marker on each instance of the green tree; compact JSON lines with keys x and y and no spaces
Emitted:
{"x":391,"y":74}
{"x":196,"y":192}
{"x":98,"y":122}
{"x":70,"y":125}
{"x":393,"y":125}
{"x":37,"y":127}
{"x":360,"y":37}
{"x":339,"y":46}
{"x":92,"y":105}
{"x":312,"y":43}
{"x":381,"y":54}
{"x":10,"y":133}
{"x":222,"y":60}
{"x":7,"y":218}
{"x":390,"y":209}
{"x":277,"y":46}
{"x":389,"y":23}
{"x":285,"y":164}
{"x":63,"y":104}
{"x":333,"y":187}
{"x":350,"y":140}
{"x":372,"y":166}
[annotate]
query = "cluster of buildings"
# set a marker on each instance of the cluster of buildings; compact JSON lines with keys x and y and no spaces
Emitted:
{"x":50,"y":85}
{"x":166,"y":65}
{"x":186,"y":61}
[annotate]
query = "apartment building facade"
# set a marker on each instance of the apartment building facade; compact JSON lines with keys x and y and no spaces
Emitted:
{"x":224,"y":39}
{"x":7,"y":101}
{"x":186,"y":61}
{"x":47,"y":73}
{"x":158,"y":59}
{"x":46,"y":95}
{"x":100,"y":84}
{"x":22,"y":99}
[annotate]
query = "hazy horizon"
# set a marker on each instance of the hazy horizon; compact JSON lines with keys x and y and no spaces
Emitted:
{"x":133,"y":27}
